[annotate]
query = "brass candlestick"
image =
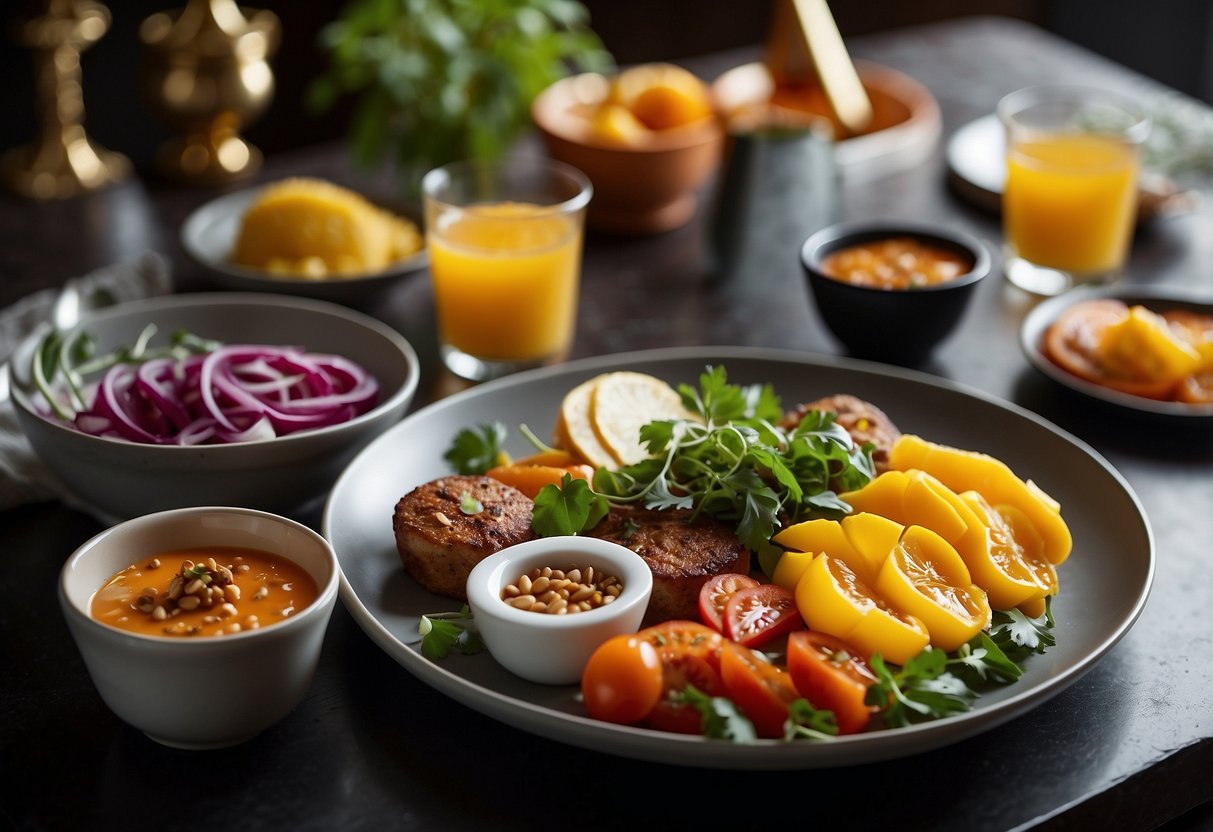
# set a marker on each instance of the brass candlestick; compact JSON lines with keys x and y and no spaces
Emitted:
{"x":63,"y":161}
{"x":206,"y":74}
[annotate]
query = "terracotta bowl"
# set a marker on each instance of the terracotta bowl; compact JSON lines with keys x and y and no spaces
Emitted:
{"x":906,"y":119}
{"x":637,"y":190}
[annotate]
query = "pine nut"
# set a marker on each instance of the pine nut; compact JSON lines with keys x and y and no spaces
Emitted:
{"x":261,"y":592}
{"x":189,"y":602}
{"x":561,"y":592}
{"x":159,"y":613}
{"x":227,"y":611}
{"x":232,"y":592}
{"x":194,"y":586}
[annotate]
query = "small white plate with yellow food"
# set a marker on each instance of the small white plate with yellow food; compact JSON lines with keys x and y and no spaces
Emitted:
{"x":306,"y":237}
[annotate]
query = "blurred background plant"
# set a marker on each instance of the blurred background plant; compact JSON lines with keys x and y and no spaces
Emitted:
{"x":441,"y":80}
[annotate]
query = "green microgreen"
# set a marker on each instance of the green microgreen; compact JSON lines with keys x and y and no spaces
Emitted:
{"x":469,"y":505}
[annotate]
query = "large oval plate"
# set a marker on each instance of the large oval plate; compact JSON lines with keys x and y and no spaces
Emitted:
{"x":1156,"y":298}
{"x":1104,"y":583}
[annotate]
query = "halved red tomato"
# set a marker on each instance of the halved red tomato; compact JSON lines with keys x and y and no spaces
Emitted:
{"x":716,"y":592}
{"x":756,"y":615}
{"x":833,"y":676}
{"x":680,"y":669}
{"x":760,"y":689}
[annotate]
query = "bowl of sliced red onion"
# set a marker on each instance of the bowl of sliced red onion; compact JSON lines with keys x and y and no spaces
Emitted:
{"x":232,"y":399}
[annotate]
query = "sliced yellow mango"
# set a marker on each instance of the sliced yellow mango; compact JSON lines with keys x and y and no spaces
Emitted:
{"x":963,"y":470}
{"x":925,"y":577}
{"x":1141,"y":346}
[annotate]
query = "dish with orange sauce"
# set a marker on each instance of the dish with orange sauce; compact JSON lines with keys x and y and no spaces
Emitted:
{"x":212,"y":591}
{"x":895,"y":263}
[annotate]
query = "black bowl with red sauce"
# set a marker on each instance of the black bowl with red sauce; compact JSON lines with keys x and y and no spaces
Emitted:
{"x":896,"y":310}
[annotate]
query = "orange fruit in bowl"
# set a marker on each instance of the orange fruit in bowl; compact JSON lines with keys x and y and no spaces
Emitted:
{"x":662,"y":96}
{"x":614,"y":124}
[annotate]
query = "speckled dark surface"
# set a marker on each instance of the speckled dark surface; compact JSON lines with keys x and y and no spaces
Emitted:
{"x":1130,"y":746}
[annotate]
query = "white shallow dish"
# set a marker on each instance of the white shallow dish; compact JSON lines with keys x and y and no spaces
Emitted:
{"x":1158,"y":299}
{"x":209,"y":234}
{"x":1104,"y":583}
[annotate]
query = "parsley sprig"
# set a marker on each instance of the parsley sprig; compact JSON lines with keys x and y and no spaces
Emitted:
{"x":443,"y":633}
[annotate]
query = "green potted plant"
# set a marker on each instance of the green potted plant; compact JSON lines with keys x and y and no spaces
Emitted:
{"x":441,"y":80}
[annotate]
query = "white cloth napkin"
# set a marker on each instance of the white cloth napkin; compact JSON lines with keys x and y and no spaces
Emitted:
{"x":23,"y":477}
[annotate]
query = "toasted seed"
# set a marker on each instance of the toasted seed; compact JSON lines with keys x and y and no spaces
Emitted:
{"x":539,"y":606}
{"x":522,"y":602}
{"x":573,"y":575}
{"x":511,"y":591}
{"x":541,"y":585}
{"x":261,"y":592}
{"x":232,"y":592}
{"x":442,"y":518}
{"x":227,"y":610}
{"x":155,"y":564}
{"x":525,"y":585}
{"x":589,"y":574}
{"x":581,"y":594}
{"x":194,"y":586}
{"x":159,"y":613}
{"x":189,"y":602}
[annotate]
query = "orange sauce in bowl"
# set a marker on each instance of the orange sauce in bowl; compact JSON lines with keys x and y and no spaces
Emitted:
{"x":233,"y":589}
{"x":895,"y":263}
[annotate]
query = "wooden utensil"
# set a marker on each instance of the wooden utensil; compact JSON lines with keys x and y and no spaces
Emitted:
{"x":806,"y":47}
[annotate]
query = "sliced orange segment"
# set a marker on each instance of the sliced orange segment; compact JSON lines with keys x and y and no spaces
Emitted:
{"x":926,"y":577}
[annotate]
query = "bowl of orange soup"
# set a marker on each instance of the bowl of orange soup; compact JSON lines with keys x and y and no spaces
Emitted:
{"x":892,"y":290}
{"x":201,"y":627}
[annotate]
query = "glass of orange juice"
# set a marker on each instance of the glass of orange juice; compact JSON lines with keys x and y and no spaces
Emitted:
{"x":1069,"y":203}
{"x":504,"y":241}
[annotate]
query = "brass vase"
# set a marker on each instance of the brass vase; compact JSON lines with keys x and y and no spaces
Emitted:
{"x":63,"y":161}
{"x":206,"y":74}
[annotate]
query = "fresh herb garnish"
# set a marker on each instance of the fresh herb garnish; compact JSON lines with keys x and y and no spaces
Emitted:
{"x":445,"y":632}
{"x":737,"y":465}
{"x":721,"y":718}
{"x":806,"y":722}
{"x":476,"y":450}
{"x":568,"y":509}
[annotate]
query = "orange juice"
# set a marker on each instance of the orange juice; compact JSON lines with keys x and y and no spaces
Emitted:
{"x":505,"y":279}
{"x":1070,"y":201}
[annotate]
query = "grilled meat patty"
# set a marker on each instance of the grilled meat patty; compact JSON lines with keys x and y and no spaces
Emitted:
{"x":863,"y":420}
{"x":439,"y":544}
{"x":681,"y":553}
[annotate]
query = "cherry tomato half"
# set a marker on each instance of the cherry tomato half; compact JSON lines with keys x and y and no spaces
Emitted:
{"x":756,"y":615}
{"x":622,"y":681}
{"x":680,"y":669}
{"x":760,"y":689}
{"x":716,"y":592}
{"x":833,"y":676}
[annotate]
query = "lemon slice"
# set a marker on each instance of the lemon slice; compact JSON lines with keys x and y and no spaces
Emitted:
{"x":623,"y":402}
{"x":574,"y":429}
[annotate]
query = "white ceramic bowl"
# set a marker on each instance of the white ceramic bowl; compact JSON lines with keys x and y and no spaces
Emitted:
{"x":206,"y":692}
{"x":543,"y":647}
{"x":118,"y":480}
{"x":209,"y":235}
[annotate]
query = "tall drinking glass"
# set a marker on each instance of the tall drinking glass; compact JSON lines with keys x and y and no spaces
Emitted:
{"x":1070,"y":200}
{"x":504,"y":243}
